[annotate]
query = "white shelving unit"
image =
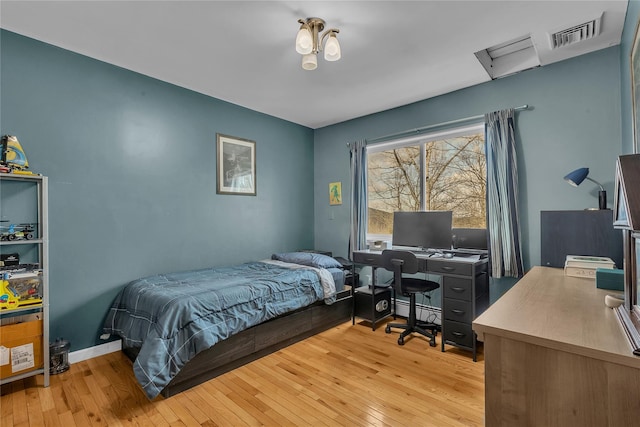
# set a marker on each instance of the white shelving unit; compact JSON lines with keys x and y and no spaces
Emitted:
{"x":25,"y":184}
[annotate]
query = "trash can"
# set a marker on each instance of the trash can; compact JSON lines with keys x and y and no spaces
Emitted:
{"x":59,"y":356}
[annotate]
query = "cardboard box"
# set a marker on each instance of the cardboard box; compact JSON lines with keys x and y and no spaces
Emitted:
{"x":20,"y":348}
{"x":589,"y":262}
{"x":586,"y":266}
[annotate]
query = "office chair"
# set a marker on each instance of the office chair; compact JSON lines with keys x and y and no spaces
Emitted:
{"x":405,"y":262}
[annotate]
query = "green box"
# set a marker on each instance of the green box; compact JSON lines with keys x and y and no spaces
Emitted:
{"x":610,"y":278}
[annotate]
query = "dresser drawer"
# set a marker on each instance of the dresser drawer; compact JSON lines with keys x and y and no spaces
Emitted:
{"x":458,"y":310}
{"x":449,"y":267}
{"x":458,"y":333}
{"x":368,"y":258}
{"x":457,"y":288}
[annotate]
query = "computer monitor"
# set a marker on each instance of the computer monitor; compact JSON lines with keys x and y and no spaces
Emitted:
{"x":425,"y":229}
{"x":470,"y":238}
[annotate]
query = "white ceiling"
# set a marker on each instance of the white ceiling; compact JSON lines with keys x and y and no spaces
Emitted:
{"x":393,"y":52}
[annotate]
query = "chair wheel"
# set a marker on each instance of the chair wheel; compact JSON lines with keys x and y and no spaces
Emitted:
{"x":432,"y":343}
{"x":387,"y":330}
{"x":400,"y":341}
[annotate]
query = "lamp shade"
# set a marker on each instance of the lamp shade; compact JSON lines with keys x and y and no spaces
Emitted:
{"x":576,"y":177}
{"x":304,"y":41}
{"x":310,"y":61}
{"x":332,"y":48}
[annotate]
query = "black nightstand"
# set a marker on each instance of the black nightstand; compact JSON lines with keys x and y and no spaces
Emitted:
{"x":351,"y":278}
{"x":372,"y":304}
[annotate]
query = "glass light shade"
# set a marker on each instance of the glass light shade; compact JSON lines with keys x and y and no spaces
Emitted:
{"x":304,"y":41}
{"x":310,"y":61}
{"x":332,"y":48}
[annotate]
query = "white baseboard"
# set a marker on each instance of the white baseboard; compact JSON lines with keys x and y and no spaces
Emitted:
{"x":95,"y":351}
{"x":422,"y":311}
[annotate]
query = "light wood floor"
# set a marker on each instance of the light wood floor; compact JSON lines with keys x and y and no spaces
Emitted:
{"x":347,"y":376}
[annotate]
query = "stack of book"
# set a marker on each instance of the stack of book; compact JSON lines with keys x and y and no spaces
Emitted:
{"x":585,"y":266}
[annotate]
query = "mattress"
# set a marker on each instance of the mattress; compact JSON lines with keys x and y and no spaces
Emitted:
{"x":173,"y":317}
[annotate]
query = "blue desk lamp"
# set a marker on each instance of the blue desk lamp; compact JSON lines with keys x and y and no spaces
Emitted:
{"x":576,"y":177}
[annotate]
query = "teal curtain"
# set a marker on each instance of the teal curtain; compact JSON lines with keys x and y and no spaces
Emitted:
{"x":358,"y":235}
{"x":503,"y":218}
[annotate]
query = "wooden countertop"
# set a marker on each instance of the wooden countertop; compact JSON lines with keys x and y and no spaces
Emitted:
{"x":547,"y":308}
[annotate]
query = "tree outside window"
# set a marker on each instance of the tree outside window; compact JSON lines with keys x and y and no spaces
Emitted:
{"x":432,"y":174}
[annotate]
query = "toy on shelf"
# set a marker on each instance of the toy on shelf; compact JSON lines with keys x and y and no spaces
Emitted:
{"x":19,"y":290}
{"x":11,"y":263}
{"x":13,"y":232}
{"x":19,"y":268}
{"x":12,"y":158}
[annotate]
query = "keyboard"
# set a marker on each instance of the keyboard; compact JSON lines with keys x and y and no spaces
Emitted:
{"x":416,"y":250}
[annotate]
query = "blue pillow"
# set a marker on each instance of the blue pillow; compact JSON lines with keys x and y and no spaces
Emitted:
{"x":307,"y":258}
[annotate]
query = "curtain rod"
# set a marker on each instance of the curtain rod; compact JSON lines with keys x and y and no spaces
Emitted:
{"x":425,"y":128}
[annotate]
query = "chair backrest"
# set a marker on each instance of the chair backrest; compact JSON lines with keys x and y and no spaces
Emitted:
{"x":399,"y":262}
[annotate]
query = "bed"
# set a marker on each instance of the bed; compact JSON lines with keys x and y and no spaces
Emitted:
{"x":181,"y":329}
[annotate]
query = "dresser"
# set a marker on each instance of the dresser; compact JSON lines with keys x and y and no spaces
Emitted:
{"x":465,"y":294}
{"x":555,"y":355}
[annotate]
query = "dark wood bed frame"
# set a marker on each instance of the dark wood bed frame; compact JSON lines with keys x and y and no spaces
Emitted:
{"x":258,"y":341}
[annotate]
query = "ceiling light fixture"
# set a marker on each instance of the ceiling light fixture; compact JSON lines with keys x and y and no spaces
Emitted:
{"x":309,"y":42}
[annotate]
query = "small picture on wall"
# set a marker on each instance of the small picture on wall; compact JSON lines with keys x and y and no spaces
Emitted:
{"x":335,"y":193}
{"x":236,"y":165}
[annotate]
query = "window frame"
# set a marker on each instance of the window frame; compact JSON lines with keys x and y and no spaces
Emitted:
{"x":420,"y":140}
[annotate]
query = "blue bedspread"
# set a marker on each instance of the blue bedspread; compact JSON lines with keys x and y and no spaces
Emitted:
{"x":173,"y":317}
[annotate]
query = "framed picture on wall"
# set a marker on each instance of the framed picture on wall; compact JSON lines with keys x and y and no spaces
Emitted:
{"x":236,"y":158}
{"x":635,"y":88}
{"x":335,"y":193}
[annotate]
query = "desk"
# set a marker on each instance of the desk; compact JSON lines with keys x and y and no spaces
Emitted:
{"x":555,"y":355}
{"x":465,"y":292}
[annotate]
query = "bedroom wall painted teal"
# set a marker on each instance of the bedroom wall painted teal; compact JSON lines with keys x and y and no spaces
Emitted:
{"x":132,"y":173}
{"x":574,"y":122}
{"x":131,"y":167}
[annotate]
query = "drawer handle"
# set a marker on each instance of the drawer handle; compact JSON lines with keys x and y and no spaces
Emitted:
{"x":458,"y":289}
{"x":458,"y":311}
{"x":447,"y":268}
{"x":458,"y":334}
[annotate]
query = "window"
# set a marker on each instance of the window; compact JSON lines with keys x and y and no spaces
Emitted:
{"x":437,"y":171}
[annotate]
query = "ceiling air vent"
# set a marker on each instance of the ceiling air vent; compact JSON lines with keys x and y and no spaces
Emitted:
{"x":509,"y":57}
{"x":575,"y":34}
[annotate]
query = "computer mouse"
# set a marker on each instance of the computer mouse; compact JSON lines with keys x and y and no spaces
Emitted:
{"x":448,"y":255}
